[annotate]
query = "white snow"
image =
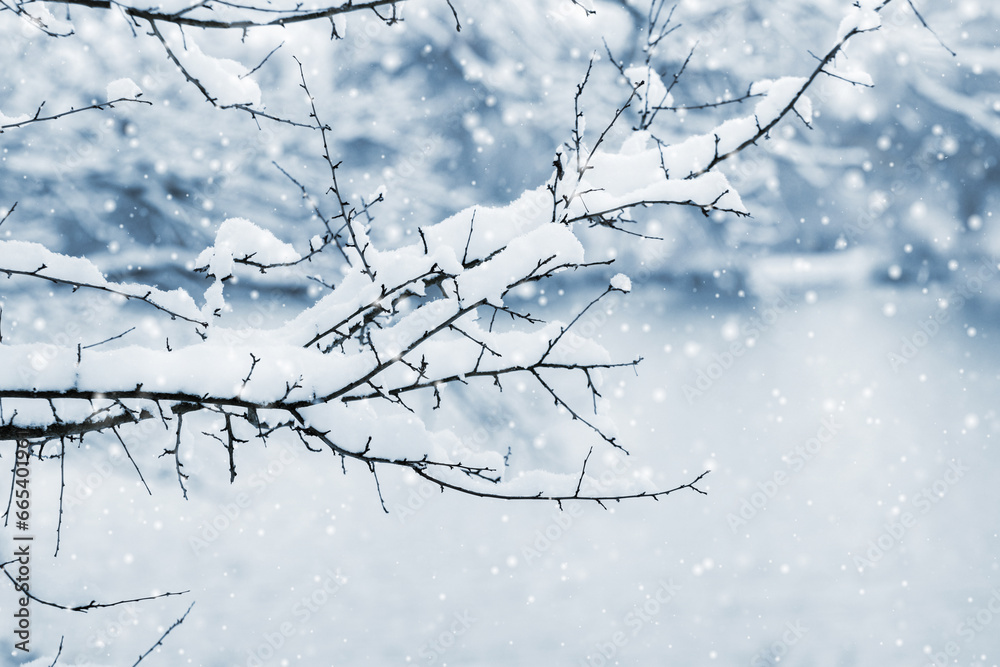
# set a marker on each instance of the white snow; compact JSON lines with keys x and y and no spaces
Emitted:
{"x":35,"y":258}
{"x":223,"y":78}
{"x":551,"y":246}
{"x":863,"y":16}
{"x":778,"y":95}
{"x":697,"y":152}
{"x":654,"y":92}
{"x":41,"y":18}
{"x":11,"y":120}
{"x":123,"y":89}
{"x":238,"y":238}
{"x":621,"y":282}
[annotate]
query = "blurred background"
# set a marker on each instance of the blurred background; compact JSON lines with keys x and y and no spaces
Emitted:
{"x":848,"y":518}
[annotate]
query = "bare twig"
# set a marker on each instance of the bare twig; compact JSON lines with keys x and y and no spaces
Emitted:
{"x":261,"y":64}
{"x":458,"y":24}
{"x":108,"y":340}
{"x":931,"y":30}
{"x":8,"y":213}
{"x":134,"y":465}
{"x":59,"y":652}
{"x":345,"y":213}
{"x":159,"y":642}
{"x":38,"y":118}
{"x":83,"y":608}
{"x":555,"y":497}
{"x":62,"y":488}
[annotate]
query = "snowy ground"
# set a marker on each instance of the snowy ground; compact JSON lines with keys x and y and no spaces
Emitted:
{"x":307,"y":569}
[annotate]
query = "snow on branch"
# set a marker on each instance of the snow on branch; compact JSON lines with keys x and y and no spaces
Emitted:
{"x":698,"y":155}
{"x":33,"y":260}
{"x":223,"y":82}
{"x":39,"y":17}
{"x":340,"y":374}
{"x":343,"y":374}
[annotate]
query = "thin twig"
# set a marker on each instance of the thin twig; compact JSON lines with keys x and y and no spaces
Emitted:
{"x":83,"y":608}
{"x":159,"y":642}
{"x":458,"y":24}
{"x":129,"y":454}
{"x":600,"y":499}
{"x":37,"y":118}
{"x":62,"y":488}
{"x":108,"y":340}
{"x":59,"y":652}
{"x":914,"y":8}
{"x":7,"y":214}
{"x":762,"y":131}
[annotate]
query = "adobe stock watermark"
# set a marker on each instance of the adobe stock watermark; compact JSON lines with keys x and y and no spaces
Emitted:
{"x":795,"y":460}
{"x":968,"y":629}
{"x":606,"y":652}
{"x":51,"y":343}
{"x":21,"y":505}
{"x":776,"y":652}
{"x":594,"y":319}
{"x":893,"y":532}
{"x":419,"y":154}
{"x":302,"y":611}
{"x":563,"y":520}
{"x":209,"y":531}
{"x":750,"y":332}
{"x":421,"y":492}
{"x":560,"y":523}
{"x":78,"y":493}
{"x":913,"y":169}
{"x":952,"y":304}
{"x":432,"y":650}
{"x":102,"y":638}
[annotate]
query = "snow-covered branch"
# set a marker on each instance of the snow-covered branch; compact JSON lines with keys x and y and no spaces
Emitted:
{"x":339,"y":374}
{"x":342,"y":374}
{"x":20,"y":258}
{"x":223,"y":82}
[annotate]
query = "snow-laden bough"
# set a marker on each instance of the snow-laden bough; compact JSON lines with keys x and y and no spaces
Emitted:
{"x":399,"y":322}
